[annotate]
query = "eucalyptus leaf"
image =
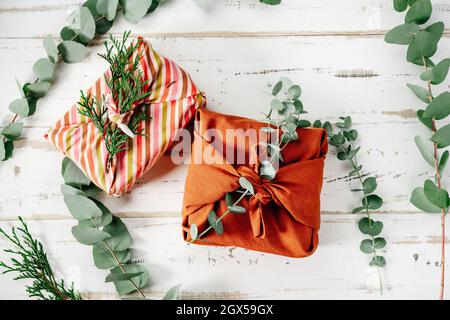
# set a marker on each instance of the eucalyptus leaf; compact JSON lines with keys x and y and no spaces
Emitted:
{"x":378,"y":261}
{"x":38,"y":89}
{"x":103,"y":259}
{"x":245,"y":184}
{"x":366,"y":246}
{"x":134,"y":10}
{"x":402,"y":34}
{"x":173,"y":293}
{"x":84,"y":25}
{"x":425,"y":150}
{"x":68,"y":34}
{"x":120,"y":239}
{"x":229,"y":199}
{"x":370,"y":227}
{"x":270,"y":2}
{"x":443,"y":162}
{"x":113,"y":277}
{"x":51,"y":49}
{"x":419,"y":200}
{"x":277,"y":88}
{"x":8,"y":148}
{"x":400,"y":5}
{"x":91,"y":190}
{"x":2,"y":150}
{"x":303,"y":124}
{"x":294,"y":92}
{"x":193,"y":230}
{"x":69,"y":190}
{"x":369,"y":185}
{"x":237,"y":209}
{"x":44,"y":69}
{"x":373,"y":202}
{"x":20,"y":106}
{"x":72,"y":52}
{"x":379,"y":243}
{"x":267,"y":170}
{"x":126,"y":286}
{"x":214,"y":223}
{"x":107,"y":8}
{"x":72,"y":174}
{"x":423,"y":44}
{"x":88,"y":235}
{"x":419,"y":12}
{"x":276,"y":105}
{"x":81,"y":208}
{"x":438,"y":197}
{"x":438,"y":73}
{"x":420,"y":92}
{"x":426,"y":121}
{"x":442,"y":137}
{"x":13,"y":130}
{"x":102,"y":26}
{"x":436,"y":29}
{"x":439,"y":108}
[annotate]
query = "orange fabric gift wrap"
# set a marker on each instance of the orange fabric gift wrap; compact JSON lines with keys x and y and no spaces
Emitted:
{"x":172,"y":103}
{"x":282,"y":217}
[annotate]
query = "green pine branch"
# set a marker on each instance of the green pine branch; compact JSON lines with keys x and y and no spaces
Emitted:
{"x":30,"y":262}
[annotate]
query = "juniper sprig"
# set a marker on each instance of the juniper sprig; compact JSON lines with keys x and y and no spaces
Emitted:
{"x":31,"y":262}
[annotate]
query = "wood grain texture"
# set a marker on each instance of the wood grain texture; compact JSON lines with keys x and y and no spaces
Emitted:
{"x":337,"y":269}
{"x":225,"y":17}
{"x":233,"y":49}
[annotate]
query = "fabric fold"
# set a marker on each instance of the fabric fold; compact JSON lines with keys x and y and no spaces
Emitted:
{"x":283,"y":214}
{"x":171,"y":105}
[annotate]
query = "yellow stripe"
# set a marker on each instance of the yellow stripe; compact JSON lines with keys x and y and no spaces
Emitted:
{"x":100,"y":168}
{"x":164,"y":124}
{"x":158,"y":82}
{"x":68,"y":144}
{"x":130,"y":163}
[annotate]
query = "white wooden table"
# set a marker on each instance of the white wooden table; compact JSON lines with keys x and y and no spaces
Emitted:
{"x":232,"y":49}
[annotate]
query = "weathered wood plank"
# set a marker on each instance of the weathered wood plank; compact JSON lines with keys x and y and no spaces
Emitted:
{"x":337,"y":270}
{"x":30,"y":181}
{"x":249,"y":16}
{"x":363,"y":77}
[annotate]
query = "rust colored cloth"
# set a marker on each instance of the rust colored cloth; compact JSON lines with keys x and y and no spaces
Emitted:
{"x":283,"y":216}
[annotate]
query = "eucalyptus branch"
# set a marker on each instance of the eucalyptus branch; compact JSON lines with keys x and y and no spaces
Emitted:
{"x":343,"y":140}
{"x":107,"y":234}
{"x":92,"y":18}
{"x":422,"y":45}
{"x":32,"y":263}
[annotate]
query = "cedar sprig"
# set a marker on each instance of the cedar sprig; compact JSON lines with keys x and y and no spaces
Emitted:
{"x":125,"y":80}
{"x":32,"y":263}
{"x":344,"y":139}
{"x":127,"y":89}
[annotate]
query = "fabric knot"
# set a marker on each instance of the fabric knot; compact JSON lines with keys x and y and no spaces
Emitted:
{"x":120,"y":119}
{"x":261,"y":198}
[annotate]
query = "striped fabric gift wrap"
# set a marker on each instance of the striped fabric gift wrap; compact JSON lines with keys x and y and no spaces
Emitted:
{"x":172,"y":102}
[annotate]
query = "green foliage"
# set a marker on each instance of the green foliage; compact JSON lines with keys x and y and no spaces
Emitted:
{"x":173,"y":293}
{"x":72,"y":51}
{"x":127,"y":90}
{"x":93,"y":17}
{"x":422,"y":46}
{"x":343,"y":139}
{"x":31,"y":263}
{"x":108,"y":235}
{"x":433,"y":197}
{"x":270,"y":2}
